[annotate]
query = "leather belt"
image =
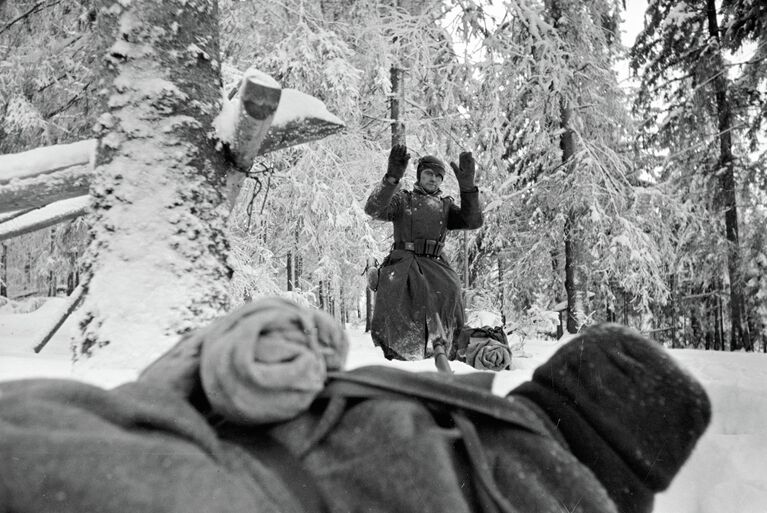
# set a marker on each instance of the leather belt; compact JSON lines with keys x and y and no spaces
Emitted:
{"x":423,"y":247}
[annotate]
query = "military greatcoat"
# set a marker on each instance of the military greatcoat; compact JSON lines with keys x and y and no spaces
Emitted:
{"x":419,"y":294}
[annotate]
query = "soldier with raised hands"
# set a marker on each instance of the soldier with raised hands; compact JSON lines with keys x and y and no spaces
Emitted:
{"x":418,"y":296}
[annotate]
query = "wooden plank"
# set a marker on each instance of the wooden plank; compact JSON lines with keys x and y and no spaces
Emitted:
{"x":44,"y":217}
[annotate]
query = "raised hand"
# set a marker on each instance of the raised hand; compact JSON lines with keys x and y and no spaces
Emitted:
{"x":398,"y":159}
{"x":464,"y":171}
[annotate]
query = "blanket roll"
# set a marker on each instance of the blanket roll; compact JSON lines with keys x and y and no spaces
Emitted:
{"x":488,"y":354}
{"x":264,"y":362}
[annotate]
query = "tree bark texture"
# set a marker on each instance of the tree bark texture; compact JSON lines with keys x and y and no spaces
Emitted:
{"x":156,"y":267}
{"x":3,"y":270}
{"x":739,"y":332}
{"x":395,"y":102}
{"x":573,"y":279}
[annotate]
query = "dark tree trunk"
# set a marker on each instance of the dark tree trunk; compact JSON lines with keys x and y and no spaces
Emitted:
{"x":573,"y":278}
{"x":368,"y":308}
{"x":501,"y":291}
{"x":343,"y":312}
{"x":397,"y":94}
{"x":558,"y":296}
{"x":3,"y":270}
{"x":626,"y":307}
{"x":695,"y":326}
{"x":369,"y":297}
{"x":719,"y":323}
{"x":673,"y":310}
{"x":28,"y":272}
{"x":297,"y":260}
{"x":289,"y":270}
{"x":739,"y":335}
{"x":52,"y":286}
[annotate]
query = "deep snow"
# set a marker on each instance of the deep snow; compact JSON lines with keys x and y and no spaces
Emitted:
{"x":727,"y":473}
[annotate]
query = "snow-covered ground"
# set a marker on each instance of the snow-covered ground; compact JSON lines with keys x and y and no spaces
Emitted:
{"x":726,"y":474}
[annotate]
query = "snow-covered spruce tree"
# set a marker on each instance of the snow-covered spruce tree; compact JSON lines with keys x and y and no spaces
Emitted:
{"x":551,"y":116}
{"x":744,"y":31}
{"x":157,"y":262}
{"x":694,"y":111}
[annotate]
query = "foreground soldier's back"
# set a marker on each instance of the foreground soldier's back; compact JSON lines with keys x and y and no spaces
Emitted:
{"x":604,"y":424}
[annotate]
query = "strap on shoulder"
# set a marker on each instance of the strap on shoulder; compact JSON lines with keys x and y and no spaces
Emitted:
{"x":467,"y":392}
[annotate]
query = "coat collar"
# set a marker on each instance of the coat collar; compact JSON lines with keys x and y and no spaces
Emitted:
{"x":420,"y":190}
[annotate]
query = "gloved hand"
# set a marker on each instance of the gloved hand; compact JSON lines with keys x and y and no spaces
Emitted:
{"x":464,"y":171}
{"x":398,"y":159}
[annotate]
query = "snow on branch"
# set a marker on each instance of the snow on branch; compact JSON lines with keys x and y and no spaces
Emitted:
{"x":44,"y":217}
{"x":58,"y":318}
{"x":47,"y":159}
{"x":35,"y":178}
{"x":300,"y":118}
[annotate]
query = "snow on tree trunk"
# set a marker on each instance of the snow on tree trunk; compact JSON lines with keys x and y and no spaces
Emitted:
{"x":156,"y":267}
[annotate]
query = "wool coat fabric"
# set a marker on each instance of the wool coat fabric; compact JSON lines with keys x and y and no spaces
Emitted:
{"x":603,"y":425}
{"x":419,"y":296}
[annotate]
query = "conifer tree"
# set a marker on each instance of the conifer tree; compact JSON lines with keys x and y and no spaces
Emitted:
{"x":686,"y":92}
{"x":556,"y":126}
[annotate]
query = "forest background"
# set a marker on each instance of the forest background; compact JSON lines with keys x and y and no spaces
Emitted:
{"x":642,"y":203}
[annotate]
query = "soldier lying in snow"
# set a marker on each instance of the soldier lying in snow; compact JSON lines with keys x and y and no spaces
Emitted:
{"x":242,"y":417}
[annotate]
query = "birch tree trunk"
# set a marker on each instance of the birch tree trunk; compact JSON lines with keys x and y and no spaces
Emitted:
{"x":156,"y":267}
{"x":740,"y":336}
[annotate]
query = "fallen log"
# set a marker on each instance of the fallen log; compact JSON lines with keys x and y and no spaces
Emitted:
{"x":35,"y":178}
{"x":44,"y":217}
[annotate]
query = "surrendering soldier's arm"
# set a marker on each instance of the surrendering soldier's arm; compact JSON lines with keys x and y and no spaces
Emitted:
{"x":385,"y":202}
{"x":469,"y":215}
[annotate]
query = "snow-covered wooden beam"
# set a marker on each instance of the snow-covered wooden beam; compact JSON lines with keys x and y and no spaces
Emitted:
{"x":246,"y":118}
{"x":300,"y":118}
{"x":262,"y":117}
{"x":35,"y":178}
{"x":44,"y":217}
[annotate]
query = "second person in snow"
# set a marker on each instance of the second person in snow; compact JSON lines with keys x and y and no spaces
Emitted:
{"x":418,"y":299}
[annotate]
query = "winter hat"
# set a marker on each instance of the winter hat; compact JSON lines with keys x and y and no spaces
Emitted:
{"x":625,"y":407}
{"x":430,"y":162}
